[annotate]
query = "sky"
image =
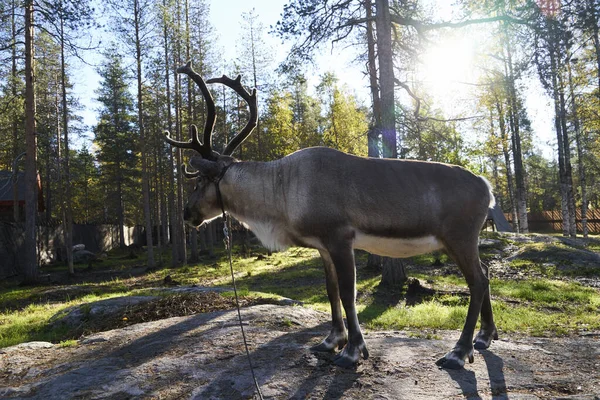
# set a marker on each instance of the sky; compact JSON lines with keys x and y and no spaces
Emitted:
{"x":226,"y":18}
{"x":449,"y":67}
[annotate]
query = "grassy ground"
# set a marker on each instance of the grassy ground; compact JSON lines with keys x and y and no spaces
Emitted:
{"x":535,"y":290}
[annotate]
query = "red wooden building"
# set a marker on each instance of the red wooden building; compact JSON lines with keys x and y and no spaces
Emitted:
{"x":7,"y":195}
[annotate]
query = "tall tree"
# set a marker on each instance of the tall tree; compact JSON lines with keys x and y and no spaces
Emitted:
{"x":134,"y":25}
{"x":551,"y":39}
{"x":386,"y":80}
{"x":514,"y":111}
{"x":115,"y":136}
{"x":375,"y":128}
{"x":30,"y":269}
{"x":254,"y":58}
{"x":574,"y":116}
{"x":71,"y":18}
{"x":176,"y":238}
{"x":345,"y":122}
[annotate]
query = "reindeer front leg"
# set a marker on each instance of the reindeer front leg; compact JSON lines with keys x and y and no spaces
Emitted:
{"x":342,"y":257}
{"x":337,"y":336}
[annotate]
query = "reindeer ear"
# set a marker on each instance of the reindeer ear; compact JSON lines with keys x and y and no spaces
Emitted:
{"x":207,"y":168}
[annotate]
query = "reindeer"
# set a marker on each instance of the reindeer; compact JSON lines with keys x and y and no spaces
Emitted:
{"x":335,"y":202}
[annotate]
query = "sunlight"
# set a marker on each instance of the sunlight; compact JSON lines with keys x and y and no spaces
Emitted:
{"x":447,"y":66}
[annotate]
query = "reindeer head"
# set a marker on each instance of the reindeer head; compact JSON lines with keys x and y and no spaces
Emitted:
{"x":209,"y":166}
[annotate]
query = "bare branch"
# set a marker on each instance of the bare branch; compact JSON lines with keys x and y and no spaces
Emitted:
{"x":422,"y":27}
{"x":411,"y":94}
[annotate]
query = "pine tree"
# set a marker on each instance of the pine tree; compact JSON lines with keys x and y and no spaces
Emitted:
{"x":115,"y":136}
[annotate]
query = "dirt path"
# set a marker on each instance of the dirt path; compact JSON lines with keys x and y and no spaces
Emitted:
{"x":202,"y":357}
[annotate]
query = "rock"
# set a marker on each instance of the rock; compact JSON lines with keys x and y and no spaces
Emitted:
{"x":169,"y":281}
{"x":79,"y":247}
{"x":201,"y":357}
{"x":27,"y":346}
{"x":290,"y":302}
{"x":76,"y":315}
{"x":485,"y":242}
{"x":83,"y":256}
{"x":93,"y":339}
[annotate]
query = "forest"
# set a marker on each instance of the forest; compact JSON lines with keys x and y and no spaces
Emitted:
{"x":127,"y":175}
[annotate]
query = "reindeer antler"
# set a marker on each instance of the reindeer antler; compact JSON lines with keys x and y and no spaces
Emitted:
{"x":193,"y":143}
{"x":236,"y":85}
{"x":204,"y":148}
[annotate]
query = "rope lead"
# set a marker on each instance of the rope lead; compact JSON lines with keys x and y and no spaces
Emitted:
{"x":228,"y":240}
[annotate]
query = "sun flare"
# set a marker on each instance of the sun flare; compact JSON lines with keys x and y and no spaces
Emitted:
{"x":447,"y":66}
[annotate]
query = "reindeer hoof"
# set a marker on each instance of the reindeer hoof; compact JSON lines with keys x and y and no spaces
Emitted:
{"x":348,"y":357}
{"x":453,"y":360}
{"x":344,"y":361}
{"x":331,"y":343}
{"x":323,"y":347}
{"x":484,"y":339}
{"x":450,"y":363}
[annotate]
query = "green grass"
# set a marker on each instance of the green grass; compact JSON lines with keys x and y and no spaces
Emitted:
{"x":547,"y":293}
{"x":68,"y":343}
{"x":532,"y":306}
{"x":30,"y":323}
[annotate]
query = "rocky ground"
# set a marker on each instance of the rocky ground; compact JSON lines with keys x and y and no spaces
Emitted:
{"x":202,"y":357}
{"x":150,"y":347}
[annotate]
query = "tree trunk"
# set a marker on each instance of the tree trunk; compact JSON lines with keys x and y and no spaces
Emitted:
{"x":212,"y":236}
{"x":386,"y":79}
{"x":509,"y":177}
{"x":393,"y":269}
{"x":120,"y":207}
{"x":15,"y":120}
{"x":521,"y":193}
{"x":67,"y":201}
{"x":164,"y":213}
{"x":595,"y":38}
{"x":568,"y":166}
{"x":375,"y":129}
{"x":182,"y":249}
{"x":495,"y":158}
{"x":373,"y":260}
{"x":193,"y":235}
{"x":180,"y":228}
{"x":580,"y":155}
{"x":194,"y":256}
{"x":171,"y":195}
{"x":561,"y":150}
{"x":143,"y":144}
{"x":30,"y":268}
{"x":393,"y":272}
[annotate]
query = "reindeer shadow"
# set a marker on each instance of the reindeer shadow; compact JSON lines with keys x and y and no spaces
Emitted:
{"x":467,"y":380}
{"x":330,"y":381}
{"x":495,"y":367}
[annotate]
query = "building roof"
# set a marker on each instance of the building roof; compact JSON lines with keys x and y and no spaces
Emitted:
{"x":6,"y":187}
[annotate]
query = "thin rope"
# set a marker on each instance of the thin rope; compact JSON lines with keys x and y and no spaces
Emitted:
{"x":228,"y":240}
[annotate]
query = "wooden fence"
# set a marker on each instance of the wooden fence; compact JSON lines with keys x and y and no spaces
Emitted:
{"x":551,"y":221}
{"x":97,"y":238}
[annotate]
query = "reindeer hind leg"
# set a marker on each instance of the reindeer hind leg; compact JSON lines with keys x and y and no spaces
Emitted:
{"x":488,"y":331}
{"x":466,"y":254}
